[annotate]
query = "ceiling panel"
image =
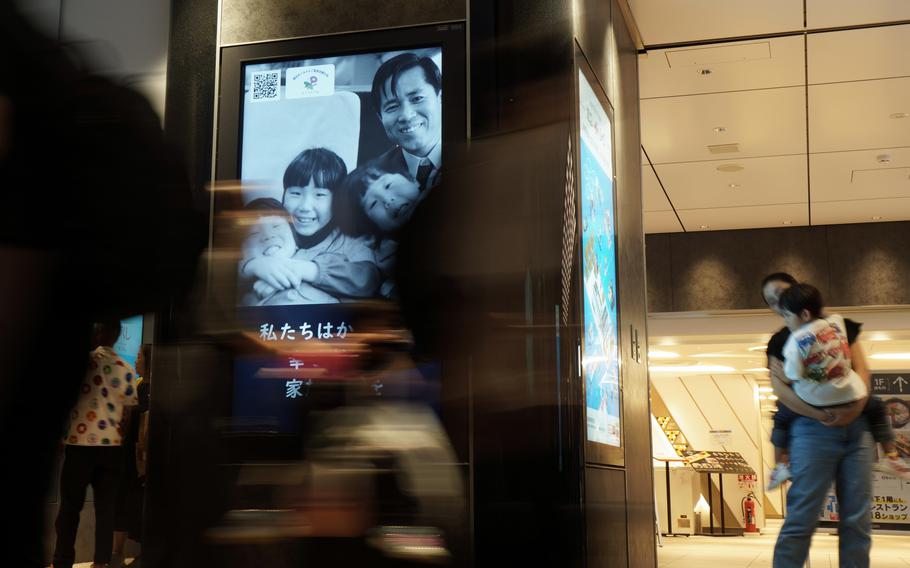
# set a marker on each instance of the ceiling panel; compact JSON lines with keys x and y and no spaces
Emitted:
{"x":653,"y":195}
{"x":777,"y":62}
{"x":860,"y":211}
{"x":853,"y":55}
{"x":771,"y":216}
{"x":842,"y":176}
{"x":769,"y":122}
{"x":833,"y":13}
{"x":762,"y":181}
{"x":856,"y":116}
{"x":671,"y":21}
{"x":661,"y":222}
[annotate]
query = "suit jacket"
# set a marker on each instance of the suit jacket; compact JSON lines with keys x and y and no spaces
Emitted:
{"x":392,"y":161}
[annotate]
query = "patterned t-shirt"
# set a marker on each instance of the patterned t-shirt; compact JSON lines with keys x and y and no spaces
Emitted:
{"x":109,"y":386}
{"x":817,"y":360}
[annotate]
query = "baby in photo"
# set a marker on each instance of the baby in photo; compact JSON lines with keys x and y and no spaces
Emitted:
{"x":271,"y":236}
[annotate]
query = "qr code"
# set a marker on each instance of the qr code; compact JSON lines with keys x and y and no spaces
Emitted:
{"x":266,"y":85}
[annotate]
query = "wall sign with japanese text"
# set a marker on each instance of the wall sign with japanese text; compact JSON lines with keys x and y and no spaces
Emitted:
{"x":890,"y":496}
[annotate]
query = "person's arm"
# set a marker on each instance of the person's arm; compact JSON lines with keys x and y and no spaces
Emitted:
{"x":788,"y":397}
{"x":350,"y":279}
{"x":279,"y":273}
{"x":794,"y":366}
{"x":846,"y":414}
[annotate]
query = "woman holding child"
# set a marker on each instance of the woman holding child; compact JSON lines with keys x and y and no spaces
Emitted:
{"x":827,"y":443}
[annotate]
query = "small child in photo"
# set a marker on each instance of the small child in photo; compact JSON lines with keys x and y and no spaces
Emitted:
{"x":380,"y":203}
{"x":817,"y":364}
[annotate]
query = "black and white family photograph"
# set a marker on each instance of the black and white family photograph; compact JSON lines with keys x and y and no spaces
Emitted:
{"x":337,"y":154}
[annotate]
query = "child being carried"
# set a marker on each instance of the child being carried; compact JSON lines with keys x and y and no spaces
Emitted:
{"x":817,"y":364}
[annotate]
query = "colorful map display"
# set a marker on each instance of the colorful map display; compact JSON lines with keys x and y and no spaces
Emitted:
{"x":600,"y":347}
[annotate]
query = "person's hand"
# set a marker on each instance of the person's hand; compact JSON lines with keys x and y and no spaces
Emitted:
{"x":776,"y":366}
{"x":279,"y":273}
{"x":263,"y":290}
{"x":845,"y":415}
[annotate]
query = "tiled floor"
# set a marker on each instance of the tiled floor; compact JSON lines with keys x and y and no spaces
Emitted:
{"x":888,"y":551}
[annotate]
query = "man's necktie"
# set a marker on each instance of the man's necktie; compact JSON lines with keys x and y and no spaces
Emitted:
{"x":423,"y":174}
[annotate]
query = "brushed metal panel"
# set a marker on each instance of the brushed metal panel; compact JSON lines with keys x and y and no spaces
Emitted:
{"x":607,"y":527}
{"x":244,"y":21}
{"x":639,"y":497}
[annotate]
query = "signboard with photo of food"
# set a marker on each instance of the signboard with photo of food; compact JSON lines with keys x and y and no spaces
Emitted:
{"x":890,"y":496}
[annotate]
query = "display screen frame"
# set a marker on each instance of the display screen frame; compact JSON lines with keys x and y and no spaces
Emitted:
{"x":597,"y":452}
{"x":449,"y":37}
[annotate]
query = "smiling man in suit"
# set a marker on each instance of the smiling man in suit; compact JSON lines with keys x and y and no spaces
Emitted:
{"x":407,"y":92}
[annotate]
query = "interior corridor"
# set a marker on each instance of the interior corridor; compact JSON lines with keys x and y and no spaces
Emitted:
{"x":888,"y":551}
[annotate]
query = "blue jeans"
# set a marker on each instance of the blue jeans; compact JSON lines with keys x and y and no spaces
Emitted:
{"x":820,"y":455}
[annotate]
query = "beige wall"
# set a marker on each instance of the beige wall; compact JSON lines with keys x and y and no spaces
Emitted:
{"x":701,"y":403}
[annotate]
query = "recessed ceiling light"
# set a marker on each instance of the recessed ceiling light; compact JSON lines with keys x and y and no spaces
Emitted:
{"x":656,"y":354}
{"x":788,"y":222}
{"x":877,"y":217}
{"x":729,"y":168}
{"x":719,"y":129}
{"x":704,"y":227}
{"x":733,"y":185}
{"x":704,"y":71}
{"x":900,"y":115}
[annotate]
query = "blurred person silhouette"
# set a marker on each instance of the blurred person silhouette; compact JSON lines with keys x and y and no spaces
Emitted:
{"x":94,"y":452}
{"x":87,"y":159}
{"x":128,"y":515}
{"x":383,"y":487}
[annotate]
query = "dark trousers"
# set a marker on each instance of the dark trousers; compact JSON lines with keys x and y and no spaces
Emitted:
{"x":101,"y":467}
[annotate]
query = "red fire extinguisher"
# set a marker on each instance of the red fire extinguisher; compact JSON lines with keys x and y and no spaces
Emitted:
{"x":749,"y":513}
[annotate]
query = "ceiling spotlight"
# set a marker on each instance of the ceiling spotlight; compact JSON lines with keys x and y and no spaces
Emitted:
{"x":883,"y":158}
{"x":719,"y":129}
{"x":733,"y":185}
{"x":788,"y":222}
{"x":704,"y":227}
{"x":900,"y":114}
{"x":729,"y":168}
{"x":877,"y":217}
{"x":704,"y":71}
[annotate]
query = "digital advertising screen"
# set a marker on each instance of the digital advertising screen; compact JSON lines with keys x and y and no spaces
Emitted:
{"x":130,"y":340}
{"x":600,"y":342}
{"x":336,"y":153}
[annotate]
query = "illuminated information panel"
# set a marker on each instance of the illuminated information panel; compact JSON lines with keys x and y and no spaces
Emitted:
{"x":600,"y":346}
